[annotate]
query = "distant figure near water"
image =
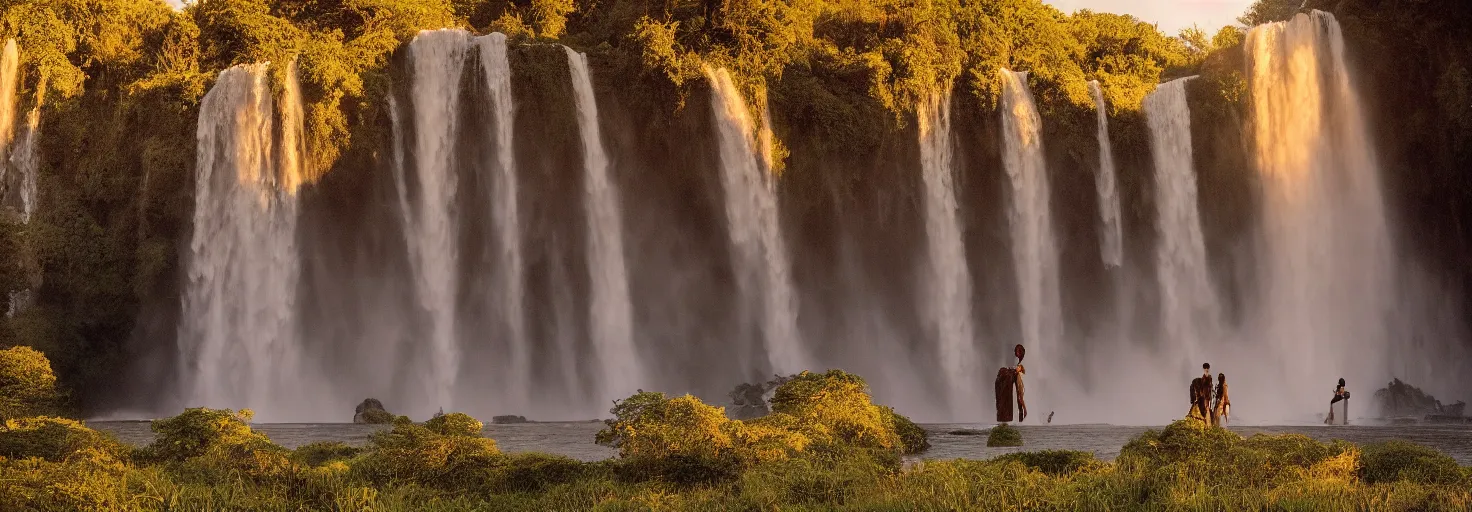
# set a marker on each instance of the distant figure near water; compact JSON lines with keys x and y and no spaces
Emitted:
{"x":1339,"y":394}
{"x":1201,"y":396}
{"x":1223,"y":403}
{"x":1008,"y":381}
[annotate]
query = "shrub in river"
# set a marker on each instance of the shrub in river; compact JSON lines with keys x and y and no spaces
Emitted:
{"x":27,"y":385}
{"x":55,"y":439}
{"x":1400,"y":461}
{"x":1004,"y":435}
{"x":677,"y":439}
{"x":455,"y":424}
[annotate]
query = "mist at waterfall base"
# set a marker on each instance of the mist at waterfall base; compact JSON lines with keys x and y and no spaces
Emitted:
{"x":476,"y":271}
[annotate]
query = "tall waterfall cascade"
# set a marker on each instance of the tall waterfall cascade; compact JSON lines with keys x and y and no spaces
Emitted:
{"x":511,"y":269}
{"x":1111,"y":230}
{"x":763,"y":270}
{"x":240,"y":334}
{"x":9,"y":80}
{"x":947,"y":276}
{"x":1034,"y":246}
{"x":1190,"y":310}
{"x":611,"y":314}
{"x":1327,"y":278}
{"x":438,"y":61}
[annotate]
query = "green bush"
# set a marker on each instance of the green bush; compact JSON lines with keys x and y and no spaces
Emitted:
{"x":200,"y":431}
{"x":1004,"y":435}
{"x":55,"y":439}
{"x":834,"y":408}
{"x":1056,"y":462}
{"x":445,"y":453}
{"x":1400,"y":461}
{"x":913,"y":439}
{"x":534,"y":472}
{"x":27,"y":385}
{"x":320,"y":453}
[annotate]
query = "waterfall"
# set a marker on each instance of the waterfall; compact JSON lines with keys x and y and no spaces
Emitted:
{"x":511,"y":272}
{"x":611,"y":317}
{"x":1034,"y":249}
{"x":948,"y":279}
{"x":9,"y":77}
{"x":438,"y":60}
{"x":760,"y":255}
{"x":240,"y":335}
{"x":1111,"y":241}
{"x":1327,"y":281}
{"x":1189,"y":306}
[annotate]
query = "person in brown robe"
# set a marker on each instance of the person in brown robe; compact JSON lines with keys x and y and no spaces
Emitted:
{"x":1009,"y":380}
{"x":1201,"y":395}
{"x":1223,"y":403}
{"x":1005,"y":382}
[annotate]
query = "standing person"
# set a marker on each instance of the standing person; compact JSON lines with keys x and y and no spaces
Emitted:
{"x":1009,"y":380}
{"x":1201,"y":395}
{"x":1223,"y":403}
{"x":1339,"y":394}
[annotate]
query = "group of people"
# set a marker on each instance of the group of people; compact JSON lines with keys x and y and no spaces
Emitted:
{"x":1207,"y":404}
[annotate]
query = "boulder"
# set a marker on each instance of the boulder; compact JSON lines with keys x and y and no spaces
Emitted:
{"x":1398,"y":400}
{"x":371,"y":412}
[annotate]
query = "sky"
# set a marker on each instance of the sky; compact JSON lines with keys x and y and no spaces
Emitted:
{"x":1170,"y":15}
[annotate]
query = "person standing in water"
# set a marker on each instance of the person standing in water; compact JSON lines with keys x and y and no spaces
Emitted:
{"x":1223,"y":403}
{"x":1009,"y":380}
{"x":1339,"y":394}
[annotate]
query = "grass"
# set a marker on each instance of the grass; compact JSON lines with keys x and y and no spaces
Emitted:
{"x":211,"y":460}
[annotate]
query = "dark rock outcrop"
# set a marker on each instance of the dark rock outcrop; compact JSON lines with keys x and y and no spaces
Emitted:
{"x":749,"y":400}
{"x":371,"y":412}
{"x":1398,"y":400}
{"x":508,"y":419}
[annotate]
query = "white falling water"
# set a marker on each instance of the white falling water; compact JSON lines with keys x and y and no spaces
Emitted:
{"x":511,"y":272}
{"x":438,"y":59}
{"x":1190,"y":310}
{"x":611,"y":317}
{"x":9,"y":77}
{"x":1326,"y":256}
{"x":24,"y":158}
{"x":1111,"y":241}
{"x":762,"y":266}
{"x":1034,"y":248}
{"x":948,"y":279}
{"x":240,"y":332}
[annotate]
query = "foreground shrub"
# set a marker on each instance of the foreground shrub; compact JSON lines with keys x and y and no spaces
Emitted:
{"x":913,"y":439}
{"x":55,"y":439}
{"x":445,"y":453}
{"x":1056,"y":462}
{"x":1400,"y":461}
{"x":1004,"y":435}
{"x":534,"y":472}
{"x":679,"y":439}
{"x":89,"y":479}
{"x":27,"y":385}
{"x":835,"y":408}
{"x":317,"y":454}
{"x":213,"y":445}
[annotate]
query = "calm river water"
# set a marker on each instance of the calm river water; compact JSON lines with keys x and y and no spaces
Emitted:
{"x":576,"y":439}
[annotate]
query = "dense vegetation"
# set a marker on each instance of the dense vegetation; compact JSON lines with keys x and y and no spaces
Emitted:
{"x":119,"y":82}
{"x":826,"y":446}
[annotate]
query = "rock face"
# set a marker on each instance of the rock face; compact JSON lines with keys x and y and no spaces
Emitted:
{"x":1399,"y":399}
{"x":508,"y":419}
{"x":371,"y":412}
{"x":749,"y":400}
